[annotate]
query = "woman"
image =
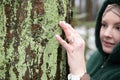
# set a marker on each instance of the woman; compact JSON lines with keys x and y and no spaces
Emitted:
{"x":104,"y":64}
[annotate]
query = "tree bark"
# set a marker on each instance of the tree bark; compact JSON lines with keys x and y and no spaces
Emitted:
{"x":28,"y":48}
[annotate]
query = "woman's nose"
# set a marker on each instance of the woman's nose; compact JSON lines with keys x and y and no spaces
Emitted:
{"x":108,"y":32}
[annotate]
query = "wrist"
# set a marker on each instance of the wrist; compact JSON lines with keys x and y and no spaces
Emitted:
{"x":75,"y":76}
{"x":78,"y":71}
{"x":80,"y":68}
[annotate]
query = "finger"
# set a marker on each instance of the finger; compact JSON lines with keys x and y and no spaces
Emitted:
{"x":62,"y":42}
{"x":63,"y":24}
{"x":66,"y":28}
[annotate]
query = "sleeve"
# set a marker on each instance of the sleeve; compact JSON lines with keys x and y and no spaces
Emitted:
{"x":85,"y":77}
{"x":76,"y":77}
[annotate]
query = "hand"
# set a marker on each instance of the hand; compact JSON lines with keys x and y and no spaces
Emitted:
{"x":75,"y":48}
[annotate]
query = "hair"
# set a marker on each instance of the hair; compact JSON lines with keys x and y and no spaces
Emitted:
{"x":115,"y":8}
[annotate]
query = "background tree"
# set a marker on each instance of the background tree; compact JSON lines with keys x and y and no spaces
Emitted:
{"x":89,"y":10}
{"x":28,"y":49}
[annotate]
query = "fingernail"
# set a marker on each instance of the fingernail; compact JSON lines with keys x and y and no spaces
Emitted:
{"x":61,"y":22}
{"x":56,"y":35}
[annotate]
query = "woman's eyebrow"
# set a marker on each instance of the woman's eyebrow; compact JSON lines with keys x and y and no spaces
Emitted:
{"x":103,"y":21}
{"x":117,"y":23}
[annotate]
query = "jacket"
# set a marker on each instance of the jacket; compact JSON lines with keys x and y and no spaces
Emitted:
{"x":103,"y":66}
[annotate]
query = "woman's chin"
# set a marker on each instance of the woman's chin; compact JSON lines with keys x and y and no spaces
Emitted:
{"x":107,"y":50}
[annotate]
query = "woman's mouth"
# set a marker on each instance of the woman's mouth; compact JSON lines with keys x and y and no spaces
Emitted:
{"x":108,"y":44}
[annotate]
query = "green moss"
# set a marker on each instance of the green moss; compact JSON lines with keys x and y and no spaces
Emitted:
{"x":35,"y":53}
{"x":12,"y":74}
{"x":25,"y":40}
{"x":2,"y":38}
{"x":5,"y":1}
{"x":50,"y":26}
{"x":2,"y":21}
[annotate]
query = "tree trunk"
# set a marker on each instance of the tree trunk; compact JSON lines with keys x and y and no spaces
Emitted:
{"x":89,"y":10}
{"x":80,"y":6}
{"x":28,"y":48}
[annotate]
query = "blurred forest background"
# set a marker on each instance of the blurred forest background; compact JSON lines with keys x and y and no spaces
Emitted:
{"x":84,"y":16}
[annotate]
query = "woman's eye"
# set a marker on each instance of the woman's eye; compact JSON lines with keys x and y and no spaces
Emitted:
{"x":118,"y":28}
{"x":104,"y":25}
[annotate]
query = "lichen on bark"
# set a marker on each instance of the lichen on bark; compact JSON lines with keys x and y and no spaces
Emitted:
{"x":2,"y":38}
{"x":29,"y":50}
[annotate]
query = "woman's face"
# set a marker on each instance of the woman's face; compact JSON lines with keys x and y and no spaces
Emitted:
{"x":110,"y":31}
